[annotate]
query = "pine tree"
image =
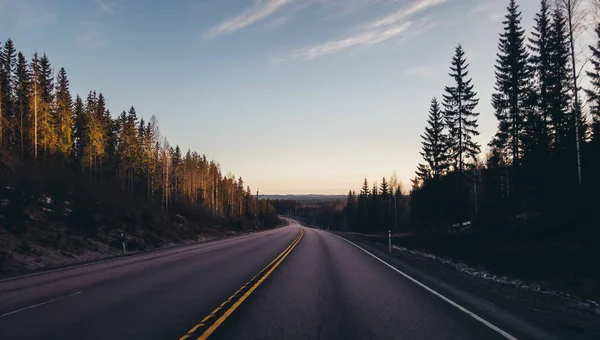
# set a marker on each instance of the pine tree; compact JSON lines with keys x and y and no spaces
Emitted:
{"x":8,"y":121}
{"x":513,"y":95}
{"x":64,"y":116}
{"x":577,"y":127}
{"x":79,"y":133}
{"x":459,"y":102}
{"x":177,"y":171}
{"x":35,"y":103}
{"x":350,"y":211}
{"x":384,"y":189}
{"x":46,"y":120}
{"x":540,"y":45}
{"x":2,"y":119}
{"x":559,"y":89}
{"x":363,"y":206}
{"x":22,"y":102}
{"x":594,"y":92}
{"x":434,"y":145}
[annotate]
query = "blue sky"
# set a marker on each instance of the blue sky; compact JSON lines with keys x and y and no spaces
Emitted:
{"x":295,"y":96}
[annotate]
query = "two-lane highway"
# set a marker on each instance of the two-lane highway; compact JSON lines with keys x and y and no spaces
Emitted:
{"x":287,"y":283}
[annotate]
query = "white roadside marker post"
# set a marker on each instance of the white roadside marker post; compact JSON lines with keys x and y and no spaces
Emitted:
{"x":123,"y":241}
{"x":390,"y":240}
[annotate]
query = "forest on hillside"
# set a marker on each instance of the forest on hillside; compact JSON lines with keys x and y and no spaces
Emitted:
{"x":43,"y":127}
{"x":543,"y":162}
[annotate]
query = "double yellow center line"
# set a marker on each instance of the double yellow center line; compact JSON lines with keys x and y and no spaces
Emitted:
{"x":206,"y":328}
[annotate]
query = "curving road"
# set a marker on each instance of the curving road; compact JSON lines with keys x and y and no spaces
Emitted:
{"x":320,"y":287}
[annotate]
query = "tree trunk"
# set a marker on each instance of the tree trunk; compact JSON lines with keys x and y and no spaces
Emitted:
{"x":570,"y":7}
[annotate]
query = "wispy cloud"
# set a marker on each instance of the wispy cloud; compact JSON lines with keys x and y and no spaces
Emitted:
{"x":259,"y":11}
{"x":344,"y":7}
{"x":371,"y":37}
{"x":108,"y":6}
{"x":375,"y":32}
{"x":403,"y":13}
{"x":91,"y":35}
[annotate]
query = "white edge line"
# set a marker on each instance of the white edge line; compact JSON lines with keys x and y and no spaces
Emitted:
{"x":461,"y":308}
{"x":38,"y":304}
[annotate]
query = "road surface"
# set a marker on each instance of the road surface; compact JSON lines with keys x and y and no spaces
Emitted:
{"x":288,"y":283}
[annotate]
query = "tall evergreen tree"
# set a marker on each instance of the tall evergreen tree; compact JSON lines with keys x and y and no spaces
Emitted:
{"x":64,"y":115}
{"x":560,"y":86}
{"x":35,"y":103}
{"x":22,"y":102}
{"x":46,"y":120}
{"x":594,"y":92}
{"x":350,"y":211}
{"x":384,"y":189}
{"x":363,"y":206}
{"x":513,"y":87}
{"x":8,"y":64}
{"x":79,"y":130}
{"x":434,"y":145}
{"x":540,"y":60}
{"x":459,"y":104}
{"x":374,"y":207}
{"x":577,"y":127}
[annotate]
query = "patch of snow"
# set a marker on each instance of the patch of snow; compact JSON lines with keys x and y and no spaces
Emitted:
{"x":8,"y":188}
{"x":5,"y":202}
{"x":67,"y":203}
{"x":463,"y":268}
{"x":47,"y":210}
{"x":45,"y":199}
{"x":68,"y":210}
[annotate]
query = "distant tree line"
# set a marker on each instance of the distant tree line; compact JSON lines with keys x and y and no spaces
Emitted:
{"x":375,"y":209}
{"x":41,"y":122}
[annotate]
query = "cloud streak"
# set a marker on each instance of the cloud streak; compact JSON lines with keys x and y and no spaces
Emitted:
{"x":105,"y":6}
{"x":404,"y":13}
{"x":375,"y":32}
{"x":259,"y":11}
{"x":367,"y":38}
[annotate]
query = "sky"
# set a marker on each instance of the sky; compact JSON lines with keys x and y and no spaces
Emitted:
{"x":294,"y":96}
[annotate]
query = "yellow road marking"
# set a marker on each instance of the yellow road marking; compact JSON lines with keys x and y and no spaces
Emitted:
{"x":217,"y":323}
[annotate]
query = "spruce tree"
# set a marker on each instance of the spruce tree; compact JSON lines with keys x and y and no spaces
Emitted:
{"x":64,"y":115}
{"x":36,"y":96}
{"x":513,"y":87}
{"x":350,"y":211}
{"x":459,"y":104}
{"x":594,"y":92}
{"x":384,"y":189}
{"x":8,"y":124}
{"x":541,"y":65}
{"x":560,"y":86}
{"x":46,"y":118}
{"x":434,"y":145}
{"x":363,"y":206}
{"x":79,"y":133}
{"x":22,"y":102}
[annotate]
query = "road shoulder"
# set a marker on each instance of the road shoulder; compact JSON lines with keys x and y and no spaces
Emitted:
{"x":527,"y":314}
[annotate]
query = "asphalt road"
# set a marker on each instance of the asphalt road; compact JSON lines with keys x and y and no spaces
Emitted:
{"x":322,"y":287}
